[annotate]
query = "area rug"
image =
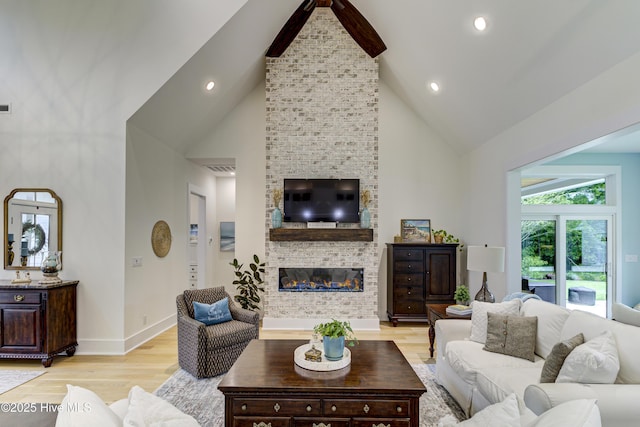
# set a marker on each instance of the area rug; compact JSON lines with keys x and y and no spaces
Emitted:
{"x":202,"y":400}
{"x":12,"y":378}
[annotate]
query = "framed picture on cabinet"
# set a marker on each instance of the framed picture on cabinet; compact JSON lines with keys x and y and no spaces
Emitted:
{"x":415,"y":230}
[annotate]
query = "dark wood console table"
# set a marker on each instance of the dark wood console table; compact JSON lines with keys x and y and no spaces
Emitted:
{"x":266,"y":387}
{"x":38,"y":321}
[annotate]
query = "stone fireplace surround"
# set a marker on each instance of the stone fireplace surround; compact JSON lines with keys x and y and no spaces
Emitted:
{"x":322,"y":122}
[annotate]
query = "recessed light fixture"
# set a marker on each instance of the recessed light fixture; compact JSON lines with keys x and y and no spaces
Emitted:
{"x":480,"y":23}
{"x":210,"y":85}
{"x":434,"y":86}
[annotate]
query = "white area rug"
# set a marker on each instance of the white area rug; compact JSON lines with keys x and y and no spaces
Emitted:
{"x":13,"y":378}
{"x":202,"y":400}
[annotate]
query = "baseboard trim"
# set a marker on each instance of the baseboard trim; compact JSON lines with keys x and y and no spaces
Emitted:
{"x":121,"y":347}
{"x":293,"y":324}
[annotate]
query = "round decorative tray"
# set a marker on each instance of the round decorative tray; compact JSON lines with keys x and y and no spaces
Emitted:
{"x":324,"y":365}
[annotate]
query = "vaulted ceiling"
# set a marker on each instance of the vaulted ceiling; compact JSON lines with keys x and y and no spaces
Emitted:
{"x":532,"y":54}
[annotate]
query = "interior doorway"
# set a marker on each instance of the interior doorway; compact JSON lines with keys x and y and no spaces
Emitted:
{"x":197,"y":247}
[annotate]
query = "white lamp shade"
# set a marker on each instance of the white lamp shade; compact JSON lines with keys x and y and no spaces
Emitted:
{"x":485,"y":259}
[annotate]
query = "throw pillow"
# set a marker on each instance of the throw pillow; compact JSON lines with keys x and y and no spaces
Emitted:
{"x":556,"y":358}
{"x":512,"y":335}
{"x":211,"y":314}
{"x":574,"y":413}
{"x":82,"y":407}
{"x":146,"y":409}
{"x":479,"y":316}
{"x":503,"y":414}
{"x":594,"y":362}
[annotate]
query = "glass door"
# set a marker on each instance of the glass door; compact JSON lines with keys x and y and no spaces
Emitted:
{"x":583,"y":279}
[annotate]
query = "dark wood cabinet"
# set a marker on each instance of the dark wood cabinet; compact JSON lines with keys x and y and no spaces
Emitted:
{"x":37,"y":321}
{"x":418,"y":274}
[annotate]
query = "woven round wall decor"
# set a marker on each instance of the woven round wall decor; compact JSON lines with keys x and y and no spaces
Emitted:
{"x":161,"y":239}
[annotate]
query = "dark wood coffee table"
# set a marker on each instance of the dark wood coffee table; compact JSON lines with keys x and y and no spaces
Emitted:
{"x":437,"y":312}
{"x":266,"y":388}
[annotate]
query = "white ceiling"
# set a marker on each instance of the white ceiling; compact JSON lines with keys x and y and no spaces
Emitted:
{"x":533,"y":53}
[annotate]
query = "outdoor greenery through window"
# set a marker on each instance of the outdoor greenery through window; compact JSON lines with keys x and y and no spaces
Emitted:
{"x":593,"y":194}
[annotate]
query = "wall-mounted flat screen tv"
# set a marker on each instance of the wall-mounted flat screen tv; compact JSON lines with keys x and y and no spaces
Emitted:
{"x":315,"y":200}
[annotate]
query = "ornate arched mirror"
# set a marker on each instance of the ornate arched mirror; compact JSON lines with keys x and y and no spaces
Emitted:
{"x":32,"y":227}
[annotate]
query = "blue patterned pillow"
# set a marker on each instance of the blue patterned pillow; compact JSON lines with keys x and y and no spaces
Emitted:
{"x":211,"y":314}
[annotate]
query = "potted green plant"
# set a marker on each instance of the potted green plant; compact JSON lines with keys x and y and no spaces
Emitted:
{"x":461,"y":295}
{"x":249,"y":283}
{"x":334,"y":334}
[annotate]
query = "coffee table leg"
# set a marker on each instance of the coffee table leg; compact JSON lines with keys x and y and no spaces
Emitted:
{"x":432,"y":337}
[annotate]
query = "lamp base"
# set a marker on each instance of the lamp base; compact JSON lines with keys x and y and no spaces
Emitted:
{"x":484,"y":294}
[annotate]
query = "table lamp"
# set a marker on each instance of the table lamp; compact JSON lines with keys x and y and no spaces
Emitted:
{"x":485,"y":258}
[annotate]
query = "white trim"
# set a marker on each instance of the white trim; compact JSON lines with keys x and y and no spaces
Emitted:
{"x":201,"y":246}
{"x":291,"y":324}
{"x":121,"y":347}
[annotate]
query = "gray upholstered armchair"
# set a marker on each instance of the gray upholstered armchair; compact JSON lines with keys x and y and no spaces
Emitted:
{"x":207,"y":351}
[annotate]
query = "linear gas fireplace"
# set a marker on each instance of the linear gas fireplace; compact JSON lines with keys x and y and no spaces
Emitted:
{"x":321,"y":279}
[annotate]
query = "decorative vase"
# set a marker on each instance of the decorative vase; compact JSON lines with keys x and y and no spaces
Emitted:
{"x":276,"y":218}
{"x":365,"y":218}
{"x":51,"y":264}
{"x":333,"y":348}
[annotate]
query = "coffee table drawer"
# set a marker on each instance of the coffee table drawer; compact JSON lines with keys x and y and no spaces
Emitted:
{"x":261,"y":422}
{"x":363,"y":408}
{"x":317,"y":422}
{"x":379,"y":422}
{"x":276,"y":406}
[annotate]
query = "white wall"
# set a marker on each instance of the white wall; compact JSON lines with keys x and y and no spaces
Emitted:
{"x":601,"y":106}
{"x":74,"y":72}
{"x":421,"y":176}
{"x":241,"y":135}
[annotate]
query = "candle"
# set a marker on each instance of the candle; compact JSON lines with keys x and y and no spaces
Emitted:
{"x":10,"y":239}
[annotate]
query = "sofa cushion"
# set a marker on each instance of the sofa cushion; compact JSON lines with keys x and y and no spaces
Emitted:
{"x":479,"y":316}
{"x":594,"y":362}
{"x":551,"y":318}
{"x":627,"y":340}
{"x":497,"y":383}
{"x":146,"y":409}
{"x":466,"y":358}
{"x":559,"y":353}
{"x":89,"y":410}
{"x":511,"y":335}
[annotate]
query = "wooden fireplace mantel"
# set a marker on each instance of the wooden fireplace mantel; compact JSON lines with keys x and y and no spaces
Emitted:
{"x":321,"y":234}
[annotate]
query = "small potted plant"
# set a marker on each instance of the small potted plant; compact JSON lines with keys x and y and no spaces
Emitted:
{"x":334,"y":334}
{"x":461,"y":295}
{"x":441,"y":236}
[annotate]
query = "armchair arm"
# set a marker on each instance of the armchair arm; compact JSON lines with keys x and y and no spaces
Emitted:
{"x":451,"y":330}
{"x":244,"y":315}
{"x":190,"y":334}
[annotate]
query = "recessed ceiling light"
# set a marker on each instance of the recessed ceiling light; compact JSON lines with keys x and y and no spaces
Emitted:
{"x":210,"y":85}
{"x":434,"y":86}
{"x":480,"y":23}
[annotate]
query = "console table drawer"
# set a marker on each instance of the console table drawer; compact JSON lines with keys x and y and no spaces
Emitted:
{"x":321,"y":422}
{"x":18,"y":297}
{"x":380,"y":422}
{"x":276,"y":406}
{"x":261,"y":422}
{"x":364,"y":408}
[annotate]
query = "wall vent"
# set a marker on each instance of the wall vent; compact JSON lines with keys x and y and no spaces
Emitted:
{"x":5,"y":108}
{"x":222,"y":169}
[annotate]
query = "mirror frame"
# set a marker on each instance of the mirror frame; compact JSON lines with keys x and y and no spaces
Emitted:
{"x":6,"y":224}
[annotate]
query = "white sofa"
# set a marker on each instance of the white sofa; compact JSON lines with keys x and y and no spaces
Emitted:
{"x":477,"y":378}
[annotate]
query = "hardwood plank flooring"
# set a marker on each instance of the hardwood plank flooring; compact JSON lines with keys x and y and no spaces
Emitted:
{"x":149,"y":365}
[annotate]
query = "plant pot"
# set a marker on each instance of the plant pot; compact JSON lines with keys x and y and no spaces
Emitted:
{"x":438,"y":239}
{"x":333,"y":348}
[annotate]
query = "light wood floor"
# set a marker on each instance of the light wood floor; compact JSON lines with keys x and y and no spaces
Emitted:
{"x":149,"y":365}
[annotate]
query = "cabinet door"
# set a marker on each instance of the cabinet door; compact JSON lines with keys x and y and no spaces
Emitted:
{"x":441,"y":274}
{"x":21,"y":328}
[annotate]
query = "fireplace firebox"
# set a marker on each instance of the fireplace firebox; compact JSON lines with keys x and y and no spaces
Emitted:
{"x":321,"y":280}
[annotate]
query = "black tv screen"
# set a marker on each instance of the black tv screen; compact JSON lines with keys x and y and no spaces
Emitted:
{"x":314,"y":200}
